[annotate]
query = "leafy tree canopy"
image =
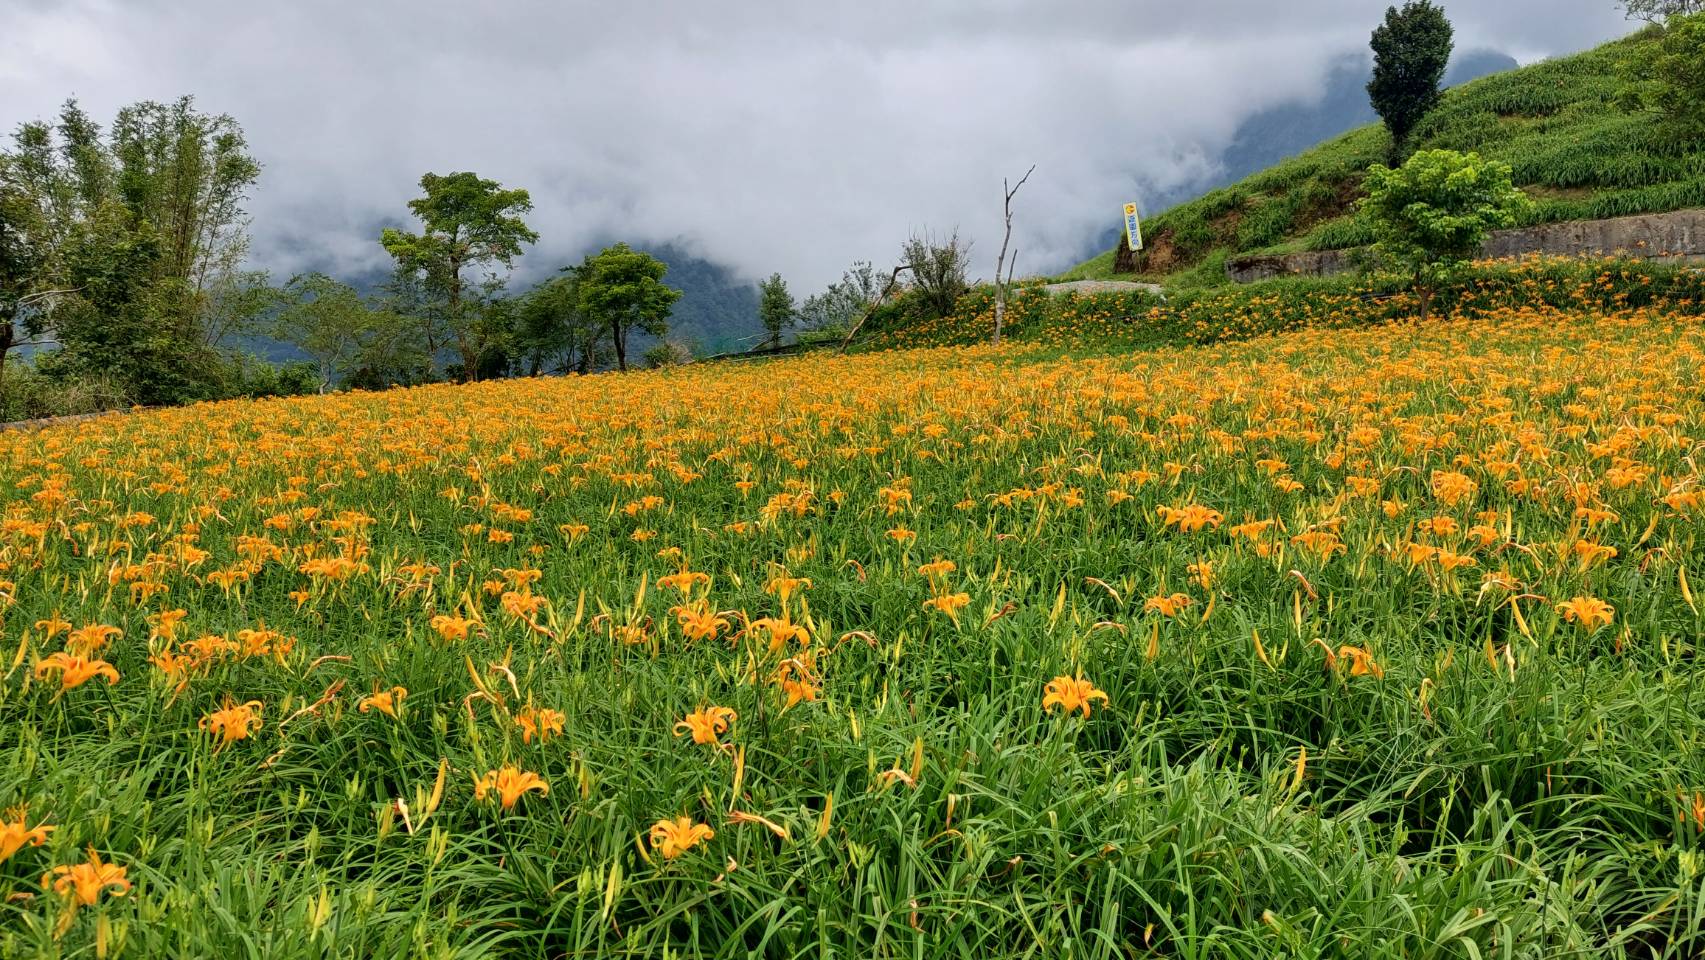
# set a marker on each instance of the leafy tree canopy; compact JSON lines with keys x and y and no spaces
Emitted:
{"x":1436,"y":211}
{"x":621,"y":289}
{"x":1411,"y":50}
{"x":775,"y":307}
{"x":468,"y":223}
{"x":1671,"y":81}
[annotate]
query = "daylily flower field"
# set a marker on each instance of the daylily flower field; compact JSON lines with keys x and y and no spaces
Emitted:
{"x":1375,"y":642}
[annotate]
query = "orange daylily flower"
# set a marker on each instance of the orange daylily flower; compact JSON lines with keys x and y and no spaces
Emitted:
{"x":1361,"y":662}
{"x":699,"y":622}
{"x":233,"y":722}
{"x":75,"y":670}
{"x":86,"y":641}
{"x":1590,"y":612}
{"x":541,"y":722}
{"x":675,"y":837}
{"x":81,"y":884}
{"x":14,"y":834}
{"x":511,"y":784}
{"x":948,"y":603}
{"x":1190,"y":518}
{"x":384,"y":701}
{"x":451,"y":627}
{"x":1070,"y":694}
{"x":706,"y":724}
{"x":1169,"y":606}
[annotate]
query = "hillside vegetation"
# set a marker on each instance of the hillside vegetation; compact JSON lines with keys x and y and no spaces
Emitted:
{"x":1559,"y":124}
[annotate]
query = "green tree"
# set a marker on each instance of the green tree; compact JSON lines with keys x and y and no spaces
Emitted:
{"x":323,"y":318}
{"x":127,"y":247}
{"x":1435,"y":211}
{"x":938,"y":270}
{"x":622,"y":289}
{"x":553,"y":331}
{"x":841,"y":304}
{"x":187,"y":174}
{"x":347,"y":339}
{"x":18,"y":264}
{"x":467,"y":223}
{"x":1410,"y":52}
{"x":54,"y":185}
{"x":775,"y":307}
{"x":1668,"y":78}
{"x":1657,"y":11}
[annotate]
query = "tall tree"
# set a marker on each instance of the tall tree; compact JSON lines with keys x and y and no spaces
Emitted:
{"x":775,"y":307}
{"x":467,"y":224}
{"x":621,"y":289}
{"x":188,"y":174}
{"x":1667,"y":77}
{"x":1410,"y":52}
{"x":938,"y":270}
{"x":124,"y":238}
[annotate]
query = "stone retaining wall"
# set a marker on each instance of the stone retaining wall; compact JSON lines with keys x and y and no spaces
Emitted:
{"x":1669,"y":237}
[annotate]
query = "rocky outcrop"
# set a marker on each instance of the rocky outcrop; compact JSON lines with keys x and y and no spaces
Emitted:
{"x":1670,"y":237}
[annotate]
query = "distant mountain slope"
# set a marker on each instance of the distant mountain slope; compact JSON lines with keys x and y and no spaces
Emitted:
{"x":717,"y":309}
{"x":1559,"y":124}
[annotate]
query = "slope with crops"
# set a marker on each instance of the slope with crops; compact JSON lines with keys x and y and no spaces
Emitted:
{"x":1362,"y":642}
{"x":1564,"y":126}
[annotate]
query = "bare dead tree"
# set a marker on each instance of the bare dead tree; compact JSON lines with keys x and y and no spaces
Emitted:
{"x":1000,"y":265}
{"x":893,"y":278}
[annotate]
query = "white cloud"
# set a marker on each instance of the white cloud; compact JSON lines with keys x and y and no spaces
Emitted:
{"x":767,"y":135}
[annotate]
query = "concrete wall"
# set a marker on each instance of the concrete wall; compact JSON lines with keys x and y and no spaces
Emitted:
{"x":1678,"y":236}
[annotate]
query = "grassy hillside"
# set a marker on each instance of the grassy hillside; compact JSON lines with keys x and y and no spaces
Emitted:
{"x":1573,"y":147}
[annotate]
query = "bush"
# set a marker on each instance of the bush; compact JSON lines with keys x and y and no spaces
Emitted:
{"x":27,"y":394}
{"x":938,"y":270}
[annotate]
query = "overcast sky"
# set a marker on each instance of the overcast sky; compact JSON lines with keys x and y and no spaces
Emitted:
{"x":790,"y":135}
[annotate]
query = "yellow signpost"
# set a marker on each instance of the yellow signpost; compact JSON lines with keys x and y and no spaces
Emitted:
{"x":1133,"y":227}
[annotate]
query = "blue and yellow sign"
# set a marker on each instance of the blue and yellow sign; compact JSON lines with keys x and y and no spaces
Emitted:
{"x":1133,"y":227}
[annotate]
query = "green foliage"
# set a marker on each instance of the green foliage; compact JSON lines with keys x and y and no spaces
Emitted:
{"x":1672,"y":82}
{"x":622,"y":289}
{"x":348,"y":340}
{"x":1411,"y":50}
{"x":126,"y":247}
{"x":775,"y":307}
{"x":938,"y":268}
{"x":667,"y":353}
{"x":31,"y":394}
{"x":844,"y":302}
{"x":554,"y":333}
{"x":187,"y":174}
{"x":468,"y":224}
{"x":1434,"y":212}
